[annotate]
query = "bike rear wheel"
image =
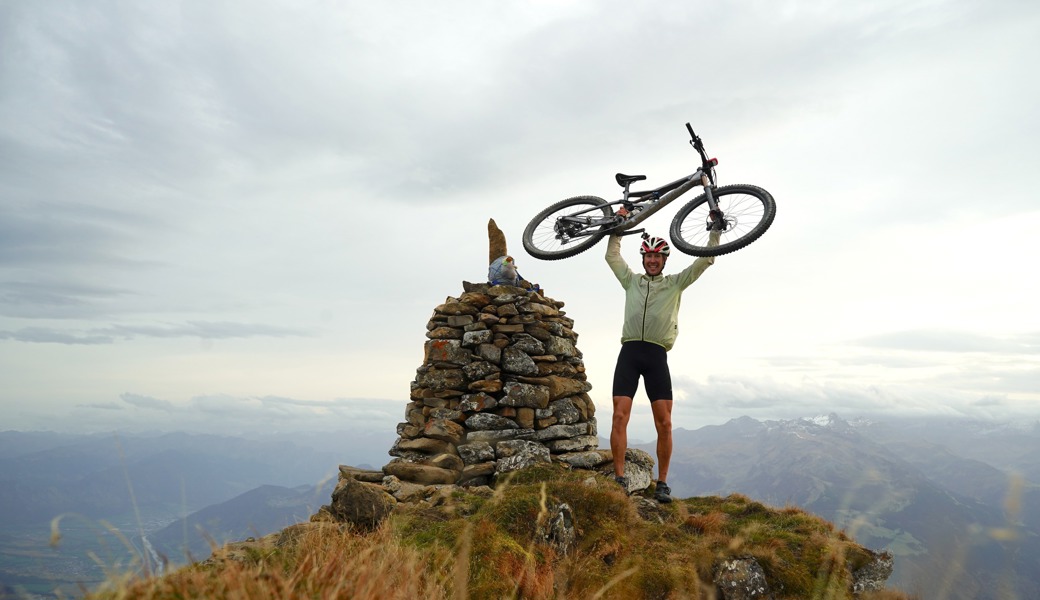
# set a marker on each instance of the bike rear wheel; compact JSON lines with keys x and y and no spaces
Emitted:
{"x":549,"y":238}
{"x":748,"y":211}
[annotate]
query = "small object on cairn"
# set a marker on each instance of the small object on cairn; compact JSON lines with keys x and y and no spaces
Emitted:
{"x":502,"y":267}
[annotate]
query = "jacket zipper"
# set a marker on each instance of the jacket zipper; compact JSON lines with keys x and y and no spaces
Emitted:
{"x":646,"y":303}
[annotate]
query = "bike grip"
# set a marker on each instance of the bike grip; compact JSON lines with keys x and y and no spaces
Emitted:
{"x":693,"y":135}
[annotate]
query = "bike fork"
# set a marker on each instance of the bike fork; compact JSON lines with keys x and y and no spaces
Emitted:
{"x":714,"y":213}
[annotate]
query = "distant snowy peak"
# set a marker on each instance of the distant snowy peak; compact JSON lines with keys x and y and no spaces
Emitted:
{"x":747,"y":424}
{"x":825,"y":420}
{"x":820,"y":424}
{"x":821,"y":420}
{"x":832,"y":423}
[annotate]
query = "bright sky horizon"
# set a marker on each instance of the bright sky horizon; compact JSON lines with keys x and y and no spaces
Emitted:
{"x":236,"y":216}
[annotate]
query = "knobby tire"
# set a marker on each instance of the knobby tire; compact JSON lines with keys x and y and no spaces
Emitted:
{"x":540,"y":236}
{"x":748,"y":209}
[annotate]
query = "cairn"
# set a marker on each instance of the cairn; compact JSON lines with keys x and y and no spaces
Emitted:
{"x":501,"y":387}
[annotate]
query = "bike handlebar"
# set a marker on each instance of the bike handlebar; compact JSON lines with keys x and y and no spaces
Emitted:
{"x":696,"y":141}
{"x":706,"y":164}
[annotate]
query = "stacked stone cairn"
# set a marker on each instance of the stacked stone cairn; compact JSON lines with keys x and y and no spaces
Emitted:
{"x":501,"y":387}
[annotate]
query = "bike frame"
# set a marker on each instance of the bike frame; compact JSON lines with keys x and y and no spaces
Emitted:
{"x":643,"y":208}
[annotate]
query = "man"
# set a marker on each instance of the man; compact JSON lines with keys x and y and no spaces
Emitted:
{"x":649,"y":331}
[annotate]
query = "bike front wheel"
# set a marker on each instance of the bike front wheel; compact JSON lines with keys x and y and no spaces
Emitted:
{"x":567,"y":228}
{"x":748,"y":212}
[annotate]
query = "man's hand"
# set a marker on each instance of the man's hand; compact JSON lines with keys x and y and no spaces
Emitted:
{"x":622,"y":212}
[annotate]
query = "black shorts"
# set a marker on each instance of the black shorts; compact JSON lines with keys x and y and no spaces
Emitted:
{"x":644,"y":359}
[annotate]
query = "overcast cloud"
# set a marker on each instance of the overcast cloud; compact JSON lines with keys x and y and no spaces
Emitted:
{"x":236,"y":215}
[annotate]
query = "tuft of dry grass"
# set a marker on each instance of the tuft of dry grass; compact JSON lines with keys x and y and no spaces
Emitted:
{"x":712,"y":523}
{"x":324,"y":563}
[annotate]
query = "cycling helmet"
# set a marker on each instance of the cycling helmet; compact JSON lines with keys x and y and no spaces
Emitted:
{"x":655,"y":244}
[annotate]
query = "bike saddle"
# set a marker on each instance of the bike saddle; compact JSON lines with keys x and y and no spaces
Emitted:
{"x":624,"y":180}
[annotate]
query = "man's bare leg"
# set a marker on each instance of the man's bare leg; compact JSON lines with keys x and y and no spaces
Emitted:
{"x":619,"y":432}
{"x":662,"y":410}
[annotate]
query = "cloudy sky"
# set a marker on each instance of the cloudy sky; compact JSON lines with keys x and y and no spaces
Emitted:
{"x":234,"y":215}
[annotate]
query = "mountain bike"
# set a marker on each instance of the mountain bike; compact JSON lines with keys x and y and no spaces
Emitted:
{"x":740,"y":213}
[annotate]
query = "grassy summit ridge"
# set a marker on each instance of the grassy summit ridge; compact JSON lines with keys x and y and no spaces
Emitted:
{"x":482,"y":543}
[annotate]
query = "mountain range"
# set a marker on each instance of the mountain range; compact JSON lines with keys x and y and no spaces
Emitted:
{"x":956,"y":501}
{"x":255,"y":513}
{"x":100,"y":493}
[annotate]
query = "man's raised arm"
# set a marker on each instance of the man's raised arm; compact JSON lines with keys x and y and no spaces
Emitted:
{"x":692,"y":272}
{"x":617,"y":264}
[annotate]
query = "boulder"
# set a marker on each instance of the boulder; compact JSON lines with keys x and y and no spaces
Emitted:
{"x":872,"y":576}
{"x":420,"y":473}
{"x":514,"y":455}
{"x":525,"y":394}
{"x":741,"y":578}
{"x":476,"y":452}
{"x":363,"y":505}
{"x":558,"y":530}
{"x":639,"y":469}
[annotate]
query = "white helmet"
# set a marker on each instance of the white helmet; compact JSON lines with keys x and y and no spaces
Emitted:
{"x":655,"y":244}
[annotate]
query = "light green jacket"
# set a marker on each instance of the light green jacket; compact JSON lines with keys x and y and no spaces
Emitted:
{"x":652,"y":303}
